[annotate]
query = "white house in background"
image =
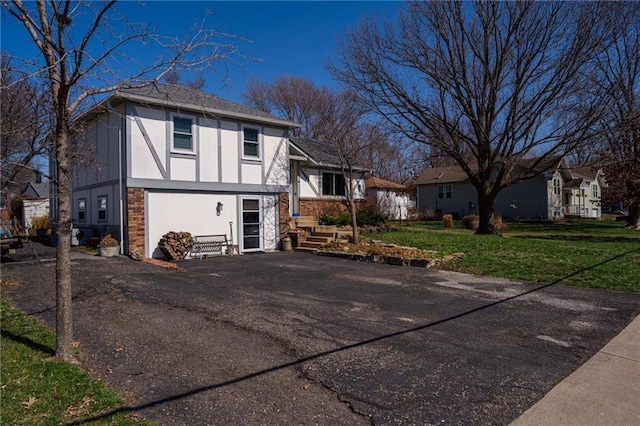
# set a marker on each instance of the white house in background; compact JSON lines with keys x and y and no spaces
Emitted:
{"x":35,"y":201}
{"x":389,"y":198}
{"x":174,"y":159}
{"x":317,"y":181}
{"x":559,"y":192}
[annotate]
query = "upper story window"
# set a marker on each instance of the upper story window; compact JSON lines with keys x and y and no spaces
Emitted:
{"x":251,"y":146}
{"x":445,"y":191}
{"x":182,"y":133}
{"x":82,"y":209}
{"x":102,"y":209}
{"x":556,"y":186}
{"x":594,"y":191}
{"x":333,"y":184}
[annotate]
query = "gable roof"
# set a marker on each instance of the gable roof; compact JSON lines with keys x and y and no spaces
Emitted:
{"x":181,"y":97}
{"x":38,"y":190}
{"x":375,"y":182}
{"x":447,"y":174}
{"x":317,"y":152}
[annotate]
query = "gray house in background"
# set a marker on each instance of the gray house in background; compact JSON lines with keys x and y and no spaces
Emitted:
{"x":558,"y":193}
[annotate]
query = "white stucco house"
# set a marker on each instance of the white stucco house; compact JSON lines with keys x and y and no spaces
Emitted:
{"x":317,"y":180}
{"x":561,"y":191}
{"x":174,"y":159}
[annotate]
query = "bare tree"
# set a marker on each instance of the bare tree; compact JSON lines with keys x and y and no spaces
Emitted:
{"x":618,"y":75}
{"x":295,"y":98}
{"x":83,"y":53}
{"x":25,"y":122}
{"x":489,"y":84}
{"x":343,"y":126}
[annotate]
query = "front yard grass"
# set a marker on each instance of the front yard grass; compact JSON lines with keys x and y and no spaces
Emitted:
{"x":38,"y":390}
{"x":598,"y":254}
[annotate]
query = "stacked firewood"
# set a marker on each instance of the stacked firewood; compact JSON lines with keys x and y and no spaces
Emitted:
{"x":176,"y":245}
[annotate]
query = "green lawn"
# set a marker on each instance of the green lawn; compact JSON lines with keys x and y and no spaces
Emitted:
{"x":38,"y":390}
{"x":599,"y":254}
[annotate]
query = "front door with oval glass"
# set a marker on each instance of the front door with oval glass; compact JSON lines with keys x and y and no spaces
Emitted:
{"x":251,"y":225}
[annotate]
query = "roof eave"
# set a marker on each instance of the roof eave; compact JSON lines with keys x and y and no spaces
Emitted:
{"x":213,"y":111}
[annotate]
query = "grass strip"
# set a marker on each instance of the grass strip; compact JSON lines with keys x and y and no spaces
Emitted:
{"x":596,"y":254}
{"x":37,"y":389}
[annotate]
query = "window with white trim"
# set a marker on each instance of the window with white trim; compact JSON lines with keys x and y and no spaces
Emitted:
{"x":251,"y":146}
{"x":333,"y":184}
{"x":594,"y":191}
{"x":445,"y":191}
{"x":82,"y":209}
{"x":556,"y":186}
{"x":102,"y":209}
{"x":182,"y":133}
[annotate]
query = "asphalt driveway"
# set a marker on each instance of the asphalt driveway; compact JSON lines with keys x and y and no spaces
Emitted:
{"x":288,"y":338}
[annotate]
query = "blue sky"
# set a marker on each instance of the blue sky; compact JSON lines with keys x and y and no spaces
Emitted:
{"x":289,"y":37}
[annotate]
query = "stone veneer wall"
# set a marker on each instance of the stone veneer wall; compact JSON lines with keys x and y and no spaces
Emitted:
{"x":283,"y":213}
{"x":135,"y":219}
{"x":316,"y":207}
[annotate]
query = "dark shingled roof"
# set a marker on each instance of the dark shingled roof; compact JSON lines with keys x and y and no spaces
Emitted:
{"x":319,"y":152}
{"x":183,"y":97}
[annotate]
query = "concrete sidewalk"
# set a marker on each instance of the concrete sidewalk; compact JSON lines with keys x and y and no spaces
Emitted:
{"x":604,"y":391}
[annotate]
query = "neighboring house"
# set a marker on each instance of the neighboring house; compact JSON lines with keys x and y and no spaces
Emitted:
{"x":171,"y":158}
{"x":389,"y":198}
{"x":560,"y":192}
{"x":35,"y":202}
{"x":317,"y":183}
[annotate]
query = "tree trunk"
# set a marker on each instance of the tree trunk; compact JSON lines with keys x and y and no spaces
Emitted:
{"x":633,"y":220}
{"x":354,"y":219}
{"x":64,"y":324}
{"x":486,"y":209}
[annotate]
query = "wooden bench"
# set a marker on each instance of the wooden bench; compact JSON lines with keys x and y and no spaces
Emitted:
{"x":205,"y":244}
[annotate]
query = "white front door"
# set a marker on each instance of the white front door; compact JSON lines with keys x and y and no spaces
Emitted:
{"x":251,"y":224}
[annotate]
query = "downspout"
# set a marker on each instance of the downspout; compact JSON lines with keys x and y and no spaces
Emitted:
{"x":120,"y":188}
{"x":121,"y":205}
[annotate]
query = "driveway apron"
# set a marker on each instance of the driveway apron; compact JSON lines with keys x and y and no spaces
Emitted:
{"x":288,"y":338}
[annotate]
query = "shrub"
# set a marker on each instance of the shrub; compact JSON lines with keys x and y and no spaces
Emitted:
{"x":40,"y":222}
{"x":367,"y":217}
{"x":339,"y":219}
{"x":497,"y":223}
{"x":109,"y":241}
{"x":471,"y":222}
{"x":448,"y":220}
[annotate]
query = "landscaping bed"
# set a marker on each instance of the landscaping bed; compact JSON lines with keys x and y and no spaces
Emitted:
{"x":376,"y":251}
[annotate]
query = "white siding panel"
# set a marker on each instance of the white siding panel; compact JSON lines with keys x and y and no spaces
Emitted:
{"x":194,"y":213}
{"x":229,"y":144}
{"x":155,"y":124}
{"x":309,"y":180}
{"x":143,"y":165}
{"x":208,"y":157}
{"x":183,"y":169}
{"x":252,"y":173}
{"x":275,"y":157}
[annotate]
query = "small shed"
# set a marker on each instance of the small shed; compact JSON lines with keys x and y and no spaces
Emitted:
{"x":389,"y":198}
{"x":35,"y":202}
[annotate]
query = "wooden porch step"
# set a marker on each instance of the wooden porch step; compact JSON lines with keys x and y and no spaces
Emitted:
{"x":319,"y":239}
{"x":329,"y":235}
{"x":307,"y":250}
{"x":312,"y":244}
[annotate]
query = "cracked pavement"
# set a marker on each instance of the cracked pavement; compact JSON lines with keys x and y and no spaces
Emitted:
{"x":290,"y":338}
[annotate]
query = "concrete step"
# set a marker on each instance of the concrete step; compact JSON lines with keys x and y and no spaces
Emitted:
{"x":306,"y":224}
